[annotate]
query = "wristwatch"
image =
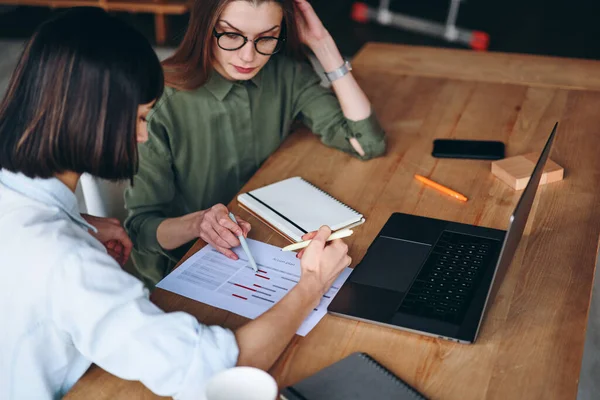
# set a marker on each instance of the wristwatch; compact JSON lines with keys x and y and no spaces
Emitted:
{"x":340,"y":72}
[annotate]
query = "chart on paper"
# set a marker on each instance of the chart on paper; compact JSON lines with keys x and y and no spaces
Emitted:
{"x":210,"y":277}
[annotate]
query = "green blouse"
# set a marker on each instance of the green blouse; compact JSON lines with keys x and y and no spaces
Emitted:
{"x":205,"y":144}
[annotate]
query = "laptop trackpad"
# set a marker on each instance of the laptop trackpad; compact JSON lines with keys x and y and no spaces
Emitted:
{"x":391,"y":264}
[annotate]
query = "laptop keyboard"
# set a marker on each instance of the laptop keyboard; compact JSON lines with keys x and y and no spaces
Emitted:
{"x":446,"y":284}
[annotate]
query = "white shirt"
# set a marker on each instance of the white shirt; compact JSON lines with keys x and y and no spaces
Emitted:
{"x":65,"y":303}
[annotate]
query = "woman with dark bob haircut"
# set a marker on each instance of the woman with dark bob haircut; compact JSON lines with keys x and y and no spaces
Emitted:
{"x":77,"y":103}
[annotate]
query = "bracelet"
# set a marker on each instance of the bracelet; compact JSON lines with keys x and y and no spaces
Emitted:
{"x":340,"y":72}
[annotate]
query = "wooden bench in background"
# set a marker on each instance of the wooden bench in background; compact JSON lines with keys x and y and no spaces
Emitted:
{"x":160,"y":9}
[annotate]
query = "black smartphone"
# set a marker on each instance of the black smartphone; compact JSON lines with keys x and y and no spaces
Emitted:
{"x":475,"y":149}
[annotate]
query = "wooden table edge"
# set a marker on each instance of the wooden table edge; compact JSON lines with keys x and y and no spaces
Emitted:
{"x":489,"y":67}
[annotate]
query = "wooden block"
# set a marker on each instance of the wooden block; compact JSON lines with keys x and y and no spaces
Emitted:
{"x":516,"y":171}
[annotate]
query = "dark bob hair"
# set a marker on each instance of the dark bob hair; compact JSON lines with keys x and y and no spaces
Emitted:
{"x":72,"y":102}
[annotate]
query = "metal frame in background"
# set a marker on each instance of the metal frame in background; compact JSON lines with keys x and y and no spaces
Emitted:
{"x":477,"y":40}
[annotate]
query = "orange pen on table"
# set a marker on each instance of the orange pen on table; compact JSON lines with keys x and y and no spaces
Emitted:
{"x":441,"y":188}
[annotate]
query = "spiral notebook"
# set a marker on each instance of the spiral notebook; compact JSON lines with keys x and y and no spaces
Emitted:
{"x":356,"y":377}
{"x":294,"y":207}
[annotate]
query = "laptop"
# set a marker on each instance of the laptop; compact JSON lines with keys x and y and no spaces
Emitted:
{"x":435,"y":277}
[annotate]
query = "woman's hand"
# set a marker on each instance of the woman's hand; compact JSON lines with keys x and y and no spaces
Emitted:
{"x":216,"y":228}
{"x":212,"y":225}
{"x":321,"y":262}
{"x":112,"y":235}
{"x":310,"y":28}
{"x":262,"y":340}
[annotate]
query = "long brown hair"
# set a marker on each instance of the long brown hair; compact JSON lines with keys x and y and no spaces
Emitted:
{"x":190,"y":66}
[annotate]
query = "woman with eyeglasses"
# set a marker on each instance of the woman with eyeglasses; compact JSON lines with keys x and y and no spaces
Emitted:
{"x":77,"y":103}
{"x":235,"y":85}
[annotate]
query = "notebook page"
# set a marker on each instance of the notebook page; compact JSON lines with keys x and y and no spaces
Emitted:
{"x":305,"y":205}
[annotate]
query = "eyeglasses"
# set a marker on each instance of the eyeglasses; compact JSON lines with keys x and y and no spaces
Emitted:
{"x":265,"y":45}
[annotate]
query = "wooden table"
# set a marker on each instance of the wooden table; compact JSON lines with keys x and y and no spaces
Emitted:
{"x":531,"y":343}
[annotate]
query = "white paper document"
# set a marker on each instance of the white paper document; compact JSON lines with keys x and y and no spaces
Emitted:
{"x":210,"y":277}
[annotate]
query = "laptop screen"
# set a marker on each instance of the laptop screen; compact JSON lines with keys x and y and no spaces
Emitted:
{"x":518,"y":220}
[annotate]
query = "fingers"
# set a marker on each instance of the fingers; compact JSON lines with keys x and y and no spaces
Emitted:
{"x":220,"y":231}
{"x":122,"y":237}
{"x":318,"y":239}
{"x":338,"y":250}
{"x":339,"y":245}
{"x":222,"y":237}
{"x":113,"y":236}
{"x":308,"y":12}
{"x":126,"y":253}
{"x":321,"y":264}
{"x":337,"y":254}
{"x":246,"y":227}
{"x":347,"y":261}
{"x":217,"y":234}
{"x":309,"y":235}
{"x":302,"y":4}
{"x":312,"y":254}
{"x":321,"y":237}
{"x":305,"y":237}
{"x":118,"y":256}
{"x":227,"y":236}
{"x":225,"y":226}
{"x":240,"y":229}
{"x":125,"y":241}
{"x":117,"y":251}
{"x":227,"y":223}
{"x":219,"y":244}
{"x":217,"y":213}
{"x":227,"y":252}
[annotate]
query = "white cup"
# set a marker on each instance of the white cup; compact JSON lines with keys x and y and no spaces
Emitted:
{"x":242,"y":383}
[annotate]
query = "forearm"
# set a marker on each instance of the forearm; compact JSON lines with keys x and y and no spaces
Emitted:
{"x":353,"y":101}
{"x":262,"y":340}
{"x":175,"y":232}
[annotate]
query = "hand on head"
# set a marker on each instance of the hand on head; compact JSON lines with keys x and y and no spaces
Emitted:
{"x":310,"y":28}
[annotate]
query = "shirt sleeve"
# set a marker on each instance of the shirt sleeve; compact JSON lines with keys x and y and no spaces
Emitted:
{"x":112,"y":322}
{"x":319,"y":109}
{"x":152,"y":193}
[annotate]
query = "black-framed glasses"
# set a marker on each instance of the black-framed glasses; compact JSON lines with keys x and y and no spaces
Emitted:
{"x":265,"y":45}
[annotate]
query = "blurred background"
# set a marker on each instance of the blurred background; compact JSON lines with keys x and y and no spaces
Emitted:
{"x":550,"y":27}
{"x":566,"y":28}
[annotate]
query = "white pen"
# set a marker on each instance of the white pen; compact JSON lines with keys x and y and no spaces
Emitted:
{"x":245,"y":246}
{"x":335,"y":235}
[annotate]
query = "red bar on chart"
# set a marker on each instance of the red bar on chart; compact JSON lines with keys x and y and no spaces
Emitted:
{"x":245,"y":287}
